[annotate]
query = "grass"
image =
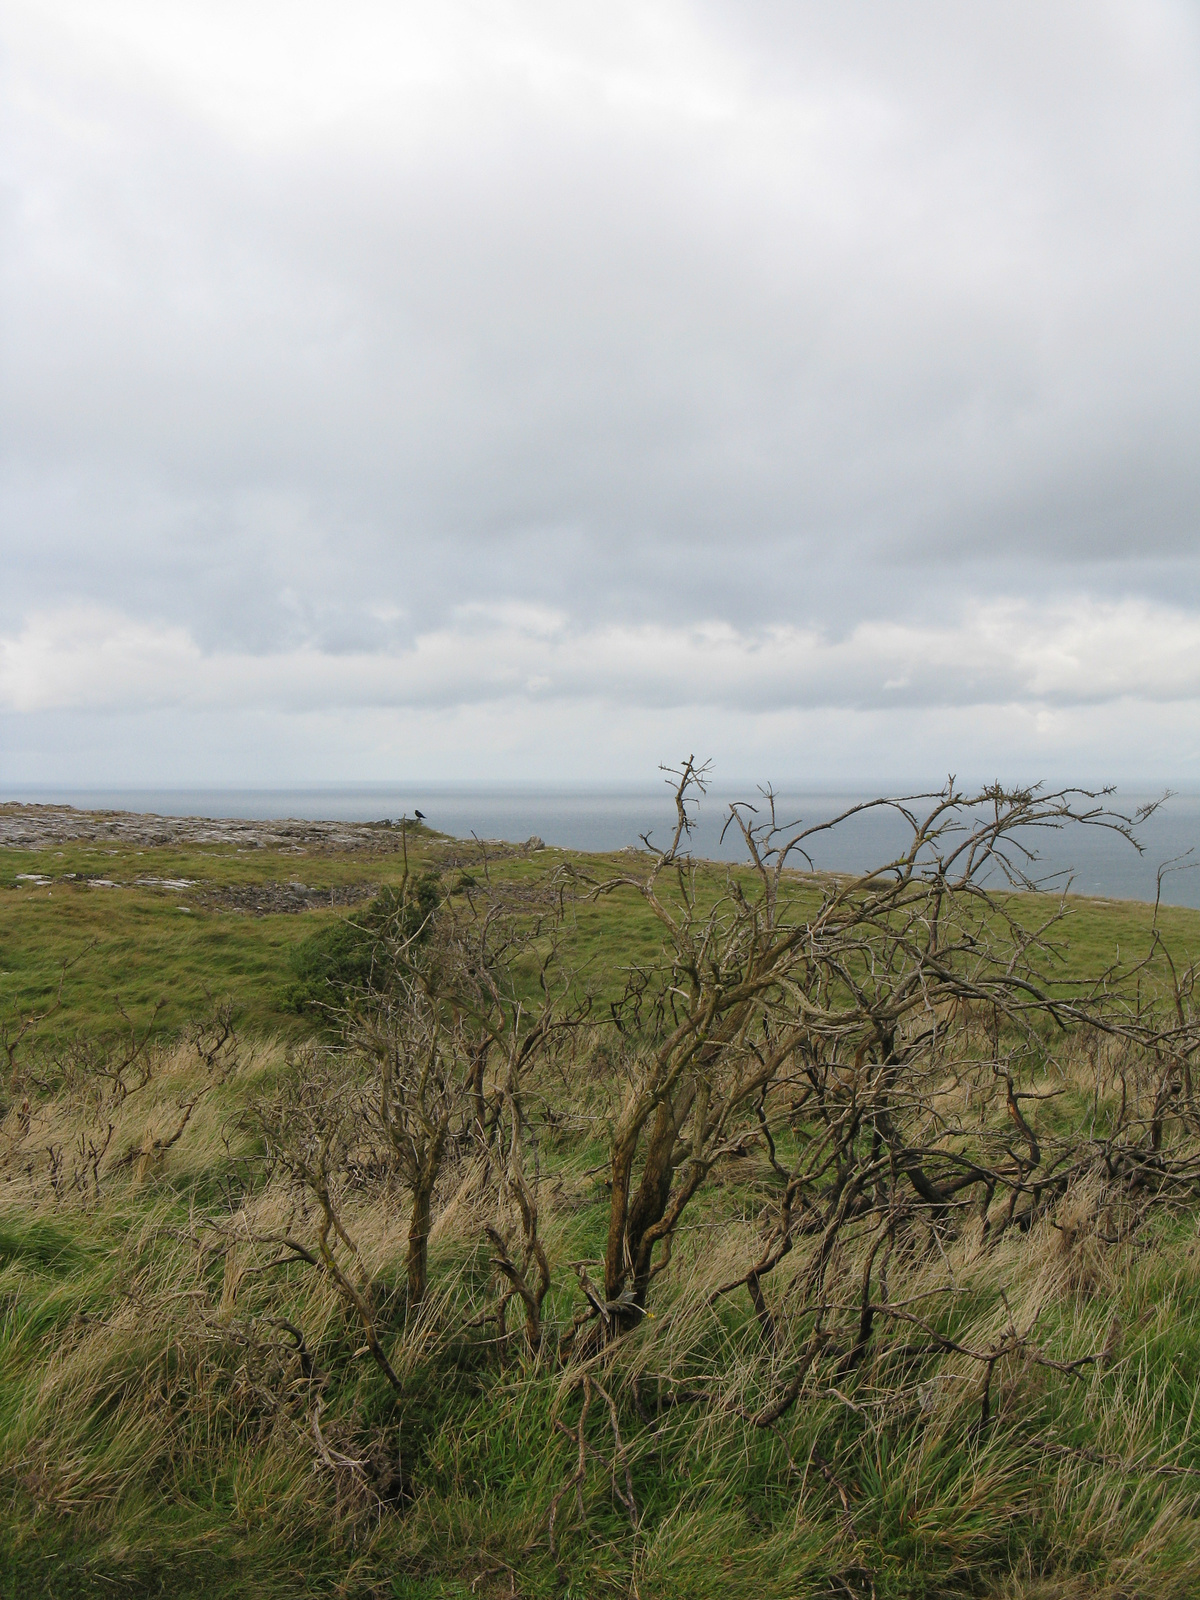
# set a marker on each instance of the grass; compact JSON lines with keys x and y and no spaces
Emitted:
{"x":130,"y":947}
{"x":157,"y":1428}
{"x":149,"y":950}
{"x":142,"y":1451}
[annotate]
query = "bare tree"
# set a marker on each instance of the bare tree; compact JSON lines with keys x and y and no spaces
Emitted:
{"x":850,"y":995}
{"x":419,"y":1101}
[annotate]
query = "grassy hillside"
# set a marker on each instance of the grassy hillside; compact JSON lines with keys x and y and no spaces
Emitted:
{"x":132,"y":945}
{"x":216,"y":1376}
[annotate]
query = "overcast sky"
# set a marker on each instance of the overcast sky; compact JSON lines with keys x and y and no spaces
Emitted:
{"x":541,"y":391}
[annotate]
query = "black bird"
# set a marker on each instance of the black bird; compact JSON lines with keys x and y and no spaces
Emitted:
{"x":420,"y":815}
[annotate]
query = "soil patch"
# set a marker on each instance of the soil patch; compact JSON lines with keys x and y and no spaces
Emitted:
{"x":275,"y":899}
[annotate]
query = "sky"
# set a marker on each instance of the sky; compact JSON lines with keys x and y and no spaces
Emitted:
{"x":540,"y":392}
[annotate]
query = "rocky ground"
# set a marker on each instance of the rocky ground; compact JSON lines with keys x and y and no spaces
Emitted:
{"x":37,"y":827}
{"x":43,"y":827}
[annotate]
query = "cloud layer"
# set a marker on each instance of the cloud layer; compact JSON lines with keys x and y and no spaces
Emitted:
{"x":749,"y":359}
{"x":1007,"y":652}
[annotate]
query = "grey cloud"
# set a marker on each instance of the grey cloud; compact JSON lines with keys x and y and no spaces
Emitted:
{"x":764,"y":313}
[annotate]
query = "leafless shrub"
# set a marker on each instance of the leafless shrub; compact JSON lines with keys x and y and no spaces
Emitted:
{"x":894,"y":1036}
{"x":111,"y":1108}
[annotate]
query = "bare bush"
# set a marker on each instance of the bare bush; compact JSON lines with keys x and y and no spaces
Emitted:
{"x":886,"y":1024}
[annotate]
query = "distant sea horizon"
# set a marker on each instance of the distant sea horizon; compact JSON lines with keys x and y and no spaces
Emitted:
{"x":605,"y":818}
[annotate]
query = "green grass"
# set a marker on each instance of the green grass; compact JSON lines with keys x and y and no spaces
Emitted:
{"x":130,"y":947}
{"x":233,"y":1507}
{"x":134,"y":946}
{"x":156,"y":1432}
{"x":132,"y":952}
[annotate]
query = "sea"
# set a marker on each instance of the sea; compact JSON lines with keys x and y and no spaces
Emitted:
{"x":1085,"y":860}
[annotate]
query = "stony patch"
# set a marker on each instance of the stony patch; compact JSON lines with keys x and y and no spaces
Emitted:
{"x":40,"y":827}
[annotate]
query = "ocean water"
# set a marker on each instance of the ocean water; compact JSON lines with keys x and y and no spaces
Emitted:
{"x":1096,"y":862}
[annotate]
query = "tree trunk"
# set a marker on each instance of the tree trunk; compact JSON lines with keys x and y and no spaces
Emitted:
{"x":418,"y":1243}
